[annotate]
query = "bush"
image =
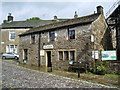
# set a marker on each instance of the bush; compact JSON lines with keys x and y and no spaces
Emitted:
{"x":100,"y":68}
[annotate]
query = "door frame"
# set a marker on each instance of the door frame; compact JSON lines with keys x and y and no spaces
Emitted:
{"x":47,"y":57}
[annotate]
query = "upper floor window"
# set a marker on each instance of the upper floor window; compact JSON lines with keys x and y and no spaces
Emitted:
{"x":33,"y":39}
{"x":52,"y":35}
{"x":12,"y":35}
{"x":71,"y":33}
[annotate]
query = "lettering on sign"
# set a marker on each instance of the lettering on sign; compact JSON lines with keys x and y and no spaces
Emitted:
{"x":48,"y":47}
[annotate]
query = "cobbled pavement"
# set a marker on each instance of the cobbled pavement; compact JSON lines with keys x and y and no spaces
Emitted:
{"x":14,"y":76}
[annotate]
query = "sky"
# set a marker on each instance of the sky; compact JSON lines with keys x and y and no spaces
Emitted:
{"x":47,"y":10}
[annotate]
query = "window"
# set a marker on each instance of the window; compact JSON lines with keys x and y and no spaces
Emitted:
{"x":72,"y":55}
{"x":66,"y":56}
{"x":11,"y":48}
{"x":12,"y":35}
{"x":52,"y":36}
{"x":60,"y":55}
{"x":71,"y":33}
{"x":32,"y":39}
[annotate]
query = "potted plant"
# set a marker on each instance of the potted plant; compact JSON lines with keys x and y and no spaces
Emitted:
{"x":101,"y":70}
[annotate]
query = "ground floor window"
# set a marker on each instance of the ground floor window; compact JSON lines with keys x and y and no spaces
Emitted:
{"x":72,"y":55}
{"x":11,"y":48}
{"x":60,"y":55}
{"x":66,"y":55}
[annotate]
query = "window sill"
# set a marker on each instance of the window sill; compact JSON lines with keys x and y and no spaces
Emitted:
{"x":11,"y":40}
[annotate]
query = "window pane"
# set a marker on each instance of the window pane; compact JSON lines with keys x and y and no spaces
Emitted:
{"x":12,"y":35}
{"x":66,"y":55}
{"x":11,"y":48}
{"x":60,"y":55}
{"x":71,"y":33}
{"x":33,"y":39}
{"x":72,"y":55}
{"x":52,"y":36}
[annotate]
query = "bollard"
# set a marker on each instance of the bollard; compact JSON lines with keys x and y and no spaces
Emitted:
{"x":78,"y":73}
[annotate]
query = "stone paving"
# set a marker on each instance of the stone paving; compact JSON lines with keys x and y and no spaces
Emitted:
{"x":14,"y":76}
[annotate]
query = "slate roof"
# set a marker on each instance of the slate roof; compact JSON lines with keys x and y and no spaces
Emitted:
{"x":74,"y":21}
{"x":25,"y":24}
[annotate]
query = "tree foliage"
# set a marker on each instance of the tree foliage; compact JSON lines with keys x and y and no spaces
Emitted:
{"x":33,"y":18}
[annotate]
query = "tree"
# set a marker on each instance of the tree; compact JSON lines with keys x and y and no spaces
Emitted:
{"x":33,"y":18}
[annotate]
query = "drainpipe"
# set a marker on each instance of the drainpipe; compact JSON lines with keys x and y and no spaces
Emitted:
{"x":39,"y":49}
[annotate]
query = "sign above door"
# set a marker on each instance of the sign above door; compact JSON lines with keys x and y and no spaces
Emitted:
{"x":48,"y":47}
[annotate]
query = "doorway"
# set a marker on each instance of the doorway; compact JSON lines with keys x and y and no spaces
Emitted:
{"x":25,"y":54}
{"x":49,"y":63}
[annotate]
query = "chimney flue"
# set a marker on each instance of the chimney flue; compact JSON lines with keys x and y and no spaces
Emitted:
{"x":55,"y":18}
{"x":10,"y":18}
{"x":75,"y":16}
{"x":100,"y":9}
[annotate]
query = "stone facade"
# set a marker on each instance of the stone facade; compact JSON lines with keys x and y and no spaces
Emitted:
{"x":15,"y":27}
{"x":47,"y":52}
{"x":6,"y":42}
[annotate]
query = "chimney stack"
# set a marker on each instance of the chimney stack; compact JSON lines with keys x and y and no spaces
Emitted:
{"x":75,"y":16}
{"x":55,"y":18}
{"x":100,"y":9}
{"x":10,"y":18}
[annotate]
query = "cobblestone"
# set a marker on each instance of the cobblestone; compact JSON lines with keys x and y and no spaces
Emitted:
{"x":14,"y":76}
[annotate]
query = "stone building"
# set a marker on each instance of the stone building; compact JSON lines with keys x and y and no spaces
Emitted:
{"x":113,"y":19}
{"x":10,"y":29}
{"x":55,"y":44}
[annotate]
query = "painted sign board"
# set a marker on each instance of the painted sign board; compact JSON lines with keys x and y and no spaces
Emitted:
{"x":48,"y":47}
{"x":2,"y":42}
{"x":108,"y":55}
{"x":42,"y":52}
{"x":95,"y":54}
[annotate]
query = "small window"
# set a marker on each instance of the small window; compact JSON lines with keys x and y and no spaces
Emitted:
{"x":71,"y":33}
{"x":66,"y":55}
{"x":52,"y":36}
{"x":72,"y":55}
{"x":12,"y":35}
{"x":60,"y":55}
{"x":32,"y":39}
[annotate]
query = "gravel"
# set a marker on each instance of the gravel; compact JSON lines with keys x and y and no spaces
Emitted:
{"x":14,"y":76}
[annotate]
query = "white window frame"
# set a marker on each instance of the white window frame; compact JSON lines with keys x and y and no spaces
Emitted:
{"x":49,"y":39}
{"x":15,"y":47}
{"x":69,"y":30}
{"x":11,"y":32}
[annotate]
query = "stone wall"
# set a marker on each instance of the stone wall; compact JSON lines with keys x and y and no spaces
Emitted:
{"x":81,"y":45}
{"x":25,"y":43}
{"x":113,"y":67}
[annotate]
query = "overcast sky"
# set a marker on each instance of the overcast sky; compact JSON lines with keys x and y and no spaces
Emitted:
{"x":47,"y":10}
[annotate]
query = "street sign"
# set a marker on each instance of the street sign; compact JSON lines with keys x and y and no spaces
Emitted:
{"x":108,"y":55}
